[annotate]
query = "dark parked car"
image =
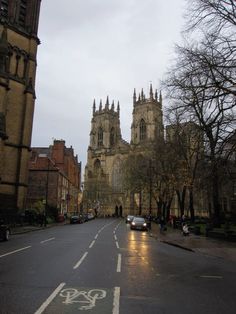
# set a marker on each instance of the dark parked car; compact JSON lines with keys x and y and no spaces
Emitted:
{"x":139,"y":223}
{"x":85,"y":217}
{"x":129,"y":219}
{"x":4,"y":232}
{"x":77,"y":219}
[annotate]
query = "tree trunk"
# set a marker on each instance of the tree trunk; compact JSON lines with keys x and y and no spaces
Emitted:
{"x":215,"y":196}
{"x":181,"y":199}
{"x":191,"y":207}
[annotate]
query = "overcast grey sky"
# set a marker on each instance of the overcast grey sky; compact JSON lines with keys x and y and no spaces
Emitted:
{"x":91,"y":49}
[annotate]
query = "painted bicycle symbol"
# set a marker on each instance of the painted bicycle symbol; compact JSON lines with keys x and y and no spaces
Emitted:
{"x":86,"y":299}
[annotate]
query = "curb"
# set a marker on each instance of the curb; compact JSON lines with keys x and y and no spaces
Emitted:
{"x":171,"y":243}
{"x":25,"y":231}
{"x":35,"y":229}
{"x":178,"y":245}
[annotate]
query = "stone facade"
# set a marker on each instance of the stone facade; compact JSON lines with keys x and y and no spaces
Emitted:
{"x":107,"y":150}
{"x":18,"y":50}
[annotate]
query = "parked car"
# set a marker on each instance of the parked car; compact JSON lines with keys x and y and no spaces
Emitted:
{"x":129,"y":219}
{"x":4,"y":231}
{"x":77,"y":219}
{"x":85,"y":217}
{"x":139,"y":223}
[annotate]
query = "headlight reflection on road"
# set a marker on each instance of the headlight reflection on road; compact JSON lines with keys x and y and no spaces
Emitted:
{"x":138,"y":246}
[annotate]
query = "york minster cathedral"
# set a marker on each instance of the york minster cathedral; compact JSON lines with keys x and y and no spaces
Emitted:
{"x":107,"y":150}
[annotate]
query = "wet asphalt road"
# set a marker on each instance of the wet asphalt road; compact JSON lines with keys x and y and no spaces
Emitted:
{"x":103,"y":267}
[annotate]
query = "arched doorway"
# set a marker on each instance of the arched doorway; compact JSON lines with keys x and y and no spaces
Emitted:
{"x":116,"y":211}
{"x":120,"y":211}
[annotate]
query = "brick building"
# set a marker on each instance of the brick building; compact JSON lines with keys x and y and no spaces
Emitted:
{"x":54,"y":177}
{"x":18,"y":50}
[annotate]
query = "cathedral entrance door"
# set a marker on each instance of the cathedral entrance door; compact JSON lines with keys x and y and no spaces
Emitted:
{"x":120,"y":211}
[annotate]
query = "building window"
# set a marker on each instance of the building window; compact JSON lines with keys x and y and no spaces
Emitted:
{"x":142,"y":130}
{"x":112,"y":137}
{"x":117,"y":176}
{"x":97,"y":166}
{"x":22,"y":12}
{"x":100,"y":137}
{"x":3,"y":8}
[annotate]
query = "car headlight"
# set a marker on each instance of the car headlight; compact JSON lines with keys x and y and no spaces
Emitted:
{"x":145,"y":224}
{"x":133,"y":223}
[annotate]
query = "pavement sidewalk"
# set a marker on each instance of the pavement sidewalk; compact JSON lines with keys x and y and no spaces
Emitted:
{"x":196,"y":243}
{"x":30,"y":228}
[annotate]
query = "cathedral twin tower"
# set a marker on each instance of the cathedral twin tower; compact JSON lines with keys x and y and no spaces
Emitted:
{"x":107,"y":150}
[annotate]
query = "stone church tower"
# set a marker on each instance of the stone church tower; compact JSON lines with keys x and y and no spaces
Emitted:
{"x":107,"y":150}
{"x":18,"y":49}
{"x":147,"y":126}
{"x":105,"y":154}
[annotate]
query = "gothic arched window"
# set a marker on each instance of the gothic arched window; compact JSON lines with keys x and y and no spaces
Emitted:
{"x":97,"y":166}
{"x":112,"y":137}
{"x":142,"y":130}
{"x":100,"y":137}
{"x":117,"y":176}
{"x":22,"y":12}
{"x":4,"y":9}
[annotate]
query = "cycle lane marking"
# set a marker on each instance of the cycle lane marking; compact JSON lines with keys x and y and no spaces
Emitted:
{"x":74,"y":299}
{"x":50,"y":299}
{"x":116,"y":301}
{"x":15,"y":251}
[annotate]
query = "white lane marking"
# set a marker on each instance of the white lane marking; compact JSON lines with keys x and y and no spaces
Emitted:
{"x":208,"y":276}
{"x":117,"y":245}
{"x":117,"y":226}
{"x":92,"y":243}
{"x":24,"y":248}
{"x":118,"y":268}
{"x":49,"y":299}
{"x":81,"y":260}
{"x":96,"y":236}
{"x":115,"y":237}
{"x":116,"y":301}
{"x":47,"y":240}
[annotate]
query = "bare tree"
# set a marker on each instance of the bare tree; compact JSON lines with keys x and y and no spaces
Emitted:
{"x":214,"y":15}
{"x":185,"y":139}
{"x":203,"y":80}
